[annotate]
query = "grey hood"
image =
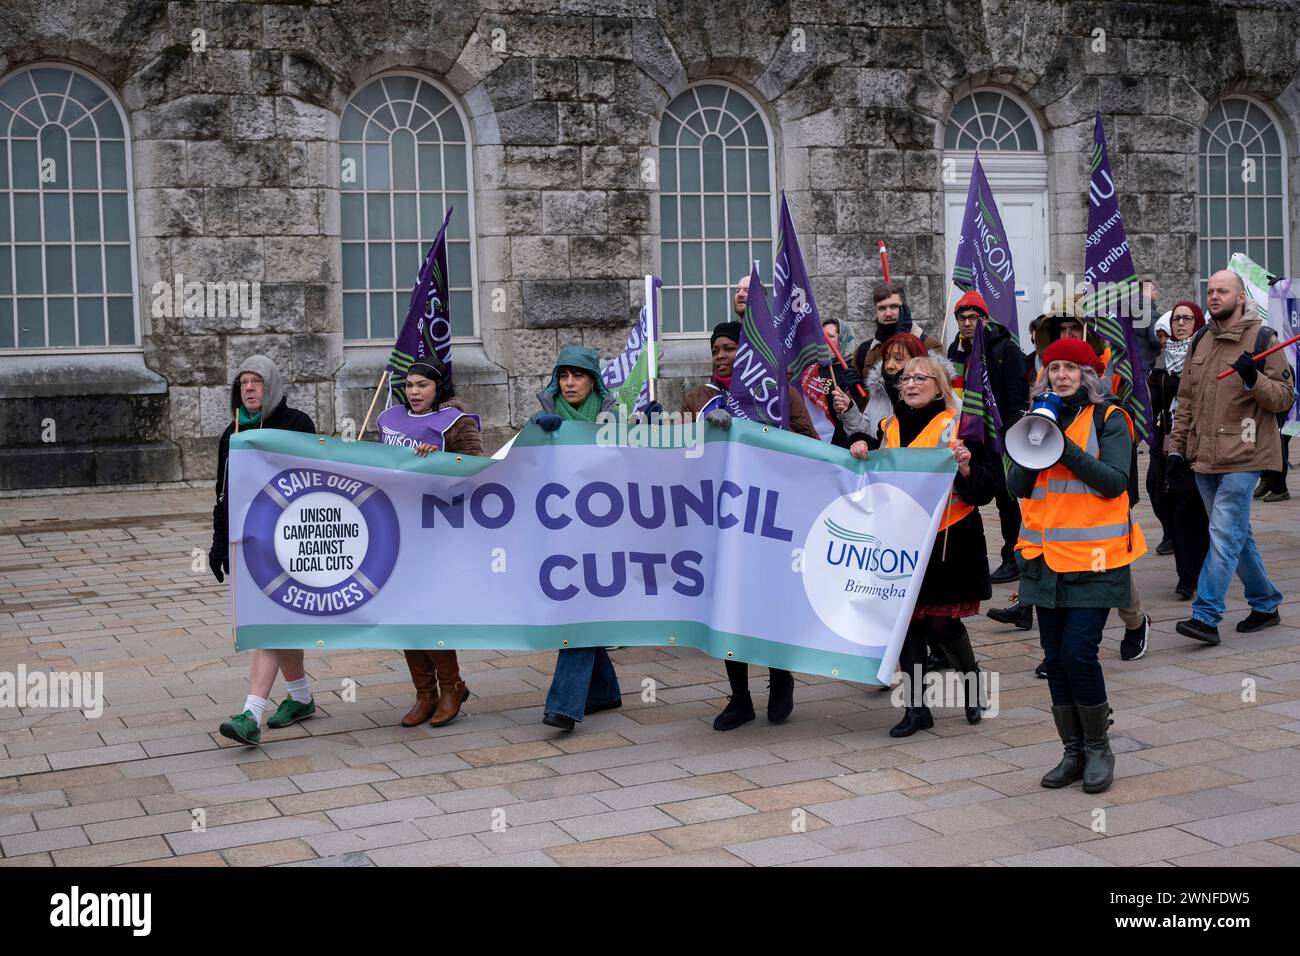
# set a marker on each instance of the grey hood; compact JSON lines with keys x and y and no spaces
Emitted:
{"x":272,"y":382}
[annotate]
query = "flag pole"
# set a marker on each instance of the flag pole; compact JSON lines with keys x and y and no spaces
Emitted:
{"x":947,"y":515}
{"x":947,"y":308}
{"x":652,"y":329}
{"x":884,"y":260}
{"x":1264,"y":354}
{"x":383,"y":377}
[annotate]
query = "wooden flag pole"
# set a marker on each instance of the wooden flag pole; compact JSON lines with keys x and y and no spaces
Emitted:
{"x":947,"y":308}
{"x":383,"y":377}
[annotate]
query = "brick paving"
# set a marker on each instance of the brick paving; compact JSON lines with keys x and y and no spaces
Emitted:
{"x":105,"y":582}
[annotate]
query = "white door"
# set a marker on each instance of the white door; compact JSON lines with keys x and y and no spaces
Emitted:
{"x":1024,"y":217}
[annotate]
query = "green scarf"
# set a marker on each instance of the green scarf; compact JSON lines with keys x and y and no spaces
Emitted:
{"x":246,"y":420}
{"x":586,"y":412}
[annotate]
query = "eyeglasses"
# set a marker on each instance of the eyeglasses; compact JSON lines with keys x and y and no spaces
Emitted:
{"x":1184,"y":318}
{"x":918,"y":379}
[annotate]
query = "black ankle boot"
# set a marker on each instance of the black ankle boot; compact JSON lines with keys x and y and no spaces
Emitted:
{"x":975,"y":701}
{"x":914,"y":719}
{"x":780,"y":695}
{"x":1098,"y":759}
{"x":1070,"y":768}
{"x":739,"y":710}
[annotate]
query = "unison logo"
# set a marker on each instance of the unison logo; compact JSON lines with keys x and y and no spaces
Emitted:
{"x":864,"y":552}
{"x":103,"y":909}
{"x":855,"y":579}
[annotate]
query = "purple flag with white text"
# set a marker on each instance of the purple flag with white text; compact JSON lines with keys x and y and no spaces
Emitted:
{"x":759,"y":390}
{"x":794,"y":311}
{"x":980,"y":419}
{"x":1113,"y":288}
{"x":983,"y":260}
{"x":428,"y":317}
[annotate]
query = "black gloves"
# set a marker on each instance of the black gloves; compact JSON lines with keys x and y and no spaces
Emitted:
{"x":851,"y":379}
{"x":219,"y":562}
{"x":549,"y":423}
{"x":1175,"y":471}
{"x":1247,"y":368}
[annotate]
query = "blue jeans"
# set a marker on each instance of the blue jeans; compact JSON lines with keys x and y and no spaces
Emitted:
{"x":1070,"y":637}
{"x":584,"y":677}
{"x":1232,"y":548}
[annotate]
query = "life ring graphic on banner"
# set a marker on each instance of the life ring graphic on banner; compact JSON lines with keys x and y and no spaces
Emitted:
{"x":318,"y":542}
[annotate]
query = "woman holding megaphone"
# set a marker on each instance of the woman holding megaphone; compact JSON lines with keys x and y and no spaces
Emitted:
{"x":1077,"y":540}
{"x":957,"y":577}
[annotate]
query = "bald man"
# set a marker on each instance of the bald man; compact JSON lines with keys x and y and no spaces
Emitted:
{"x":1226,"y":431}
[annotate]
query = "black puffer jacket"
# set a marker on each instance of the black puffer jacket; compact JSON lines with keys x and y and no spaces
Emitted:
{"x":1006,"y":364}
{"x":289,"y":419}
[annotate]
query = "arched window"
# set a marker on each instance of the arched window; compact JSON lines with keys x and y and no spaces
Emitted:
{"x":715,"y":203}
{"x":1242,"y":188}
{"x":405,"y":159}
{"x":67,"y":228}
{"x":990,"y":120}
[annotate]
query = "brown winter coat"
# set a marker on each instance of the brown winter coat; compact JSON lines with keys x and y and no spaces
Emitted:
{"x":800,"y":420}
{"x":464,"y":437}
{"x":1220,"y":425}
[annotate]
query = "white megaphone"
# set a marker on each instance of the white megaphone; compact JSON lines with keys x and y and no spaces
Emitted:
{"x":1036,"y":441}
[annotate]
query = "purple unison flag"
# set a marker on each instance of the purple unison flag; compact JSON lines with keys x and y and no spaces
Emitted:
{"x":428,"y":318}
{"x":1112,"y":282}
{"x":795,"y":313}
{"x":759,"y":391}
{"x":983,"y":260}
{"x":980,"y":419}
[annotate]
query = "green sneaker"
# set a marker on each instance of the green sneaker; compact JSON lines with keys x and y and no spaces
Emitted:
{"x":290,"y":712}
{"x":242,"y":727}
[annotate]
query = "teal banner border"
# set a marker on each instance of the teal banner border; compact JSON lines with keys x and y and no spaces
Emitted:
{"x":717,"y":644}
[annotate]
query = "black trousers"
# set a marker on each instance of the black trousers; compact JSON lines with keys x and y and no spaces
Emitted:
{"x":1276,"y":480}
{"x":1009,"y":518}
{"x":1191,"y":534}
{"x":1157,"y":495}
{"x":950,"y":634}
{"x":738,"y":675}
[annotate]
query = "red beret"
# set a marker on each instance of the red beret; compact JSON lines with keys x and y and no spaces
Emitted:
{"x":1073,"y":350}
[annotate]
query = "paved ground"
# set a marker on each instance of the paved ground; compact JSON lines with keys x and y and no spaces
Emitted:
{"x":104,"y":582}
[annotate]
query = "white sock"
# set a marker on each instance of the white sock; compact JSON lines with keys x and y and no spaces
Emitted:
{"x":257,"y":705}
{"x":300,"y":689}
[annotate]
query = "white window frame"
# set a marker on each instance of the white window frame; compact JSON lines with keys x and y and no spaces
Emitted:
{"x":772,"y":202}
{"x":1005,"y":95}
{"x":401,"y":302}
{"x":136,"y":346}
{"x":1202,"y":160}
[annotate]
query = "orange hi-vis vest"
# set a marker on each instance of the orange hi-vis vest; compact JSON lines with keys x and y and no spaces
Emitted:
{"x":1069,"y":523}
{"x":942,"y":430}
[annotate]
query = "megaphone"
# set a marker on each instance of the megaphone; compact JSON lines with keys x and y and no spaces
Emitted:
{"x":1036,"y":441}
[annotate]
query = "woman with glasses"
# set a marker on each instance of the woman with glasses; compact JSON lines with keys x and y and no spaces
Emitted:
{"x":1077,"y":540}
{"x":1180,"y":501}
{"x":957,"y":577}
{"x":429,"y":419}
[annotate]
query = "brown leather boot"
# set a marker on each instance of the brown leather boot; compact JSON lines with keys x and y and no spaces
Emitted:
{"x":425,"y":679}
{"x":451,"y":689}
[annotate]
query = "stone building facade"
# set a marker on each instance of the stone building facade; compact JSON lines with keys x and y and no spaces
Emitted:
{"x":237,"y":150}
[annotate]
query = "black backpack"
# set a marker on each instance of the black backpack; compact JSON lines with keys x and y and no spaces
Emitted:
{"x":1262,"y":339}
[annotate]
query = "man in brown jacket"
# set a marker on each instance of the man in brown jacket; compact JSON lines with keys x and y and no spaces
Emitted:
{"x":1226,"y":431}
